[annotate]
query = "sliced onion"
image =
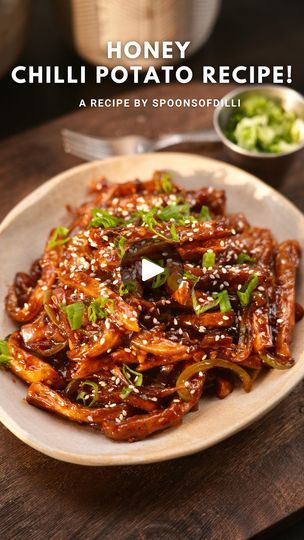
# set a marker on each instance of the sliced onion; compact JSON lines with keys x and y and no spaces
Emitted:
{"x":205,"y":365}
{"x":49,"y":311}
{"x":275,"y":363}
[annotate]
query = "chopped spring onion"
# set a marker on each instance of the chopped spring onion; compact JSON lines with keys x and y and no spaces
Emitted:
{"x":137,"y":381}
{"x":275,"y":362}
{"x":245,"y":293}
{"x":166,"y":183}
{"x":119,"y":244}
{"x":208,"y":259}
{"x":179,"y":212}
{"x":83,"y":395}
{"x":74,"y":313}
{"x":149,"y":220}
{"x":243,"y":258}
{"x":205,"y":365}
{"x":126,"y":288}
{"x":100,"y":308}
{"x":160,"y":279}
{"x":5,"y":355}
{"x":59,"y":237}
{"x":190,"y":276}
{"x":262,"y":124}
{"x":205,"y":214}
{"x":223,"y":300}
{"x":174,"y":235}
{"x":102,"y":218}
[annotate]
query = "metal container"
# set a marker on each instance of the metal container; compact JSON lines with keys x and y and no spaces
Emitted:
{"x":14,"y":16}
{"x":90,"y":25}
{"x":271,"y":167}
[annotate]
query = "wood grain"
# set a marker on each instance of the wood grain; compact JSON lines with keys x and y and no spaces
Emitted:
{"x":235,"y":490}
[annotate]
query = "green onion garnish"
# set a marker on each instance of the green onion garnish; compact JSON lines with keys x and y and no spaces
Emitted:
{"x":126,"y":288}
{"x":198,"y":308}
{"x":190,"y":276}
{"x":137,"y":381}
{"x":223,"y":300}
{"x":243,"y":258}
{"x":245,"y":293}
{"x":119,"y":244}
{"x":204,"y":214}
{"x":179,"y":212}
{"x":59,"y":237}
{"x":208,"y":259}
{"x":100,"y":308}
{"x":174,"y":235}
{"x":166,"y":183}
{"x":83,"y":394}
{"x":102,"y":218}
{"x":74,"y":313}
{"x":160,"y":279}
{"x":149,"y":220}
{"x":5,"y":355}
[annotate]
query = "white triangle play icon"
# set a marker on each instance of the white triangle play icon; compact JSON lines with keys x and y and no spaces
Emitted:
{"x":149,"y":269}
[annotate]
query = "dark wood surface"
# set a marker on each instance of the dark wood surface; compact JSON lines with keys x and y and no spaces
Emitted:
{"x":242,"y":487}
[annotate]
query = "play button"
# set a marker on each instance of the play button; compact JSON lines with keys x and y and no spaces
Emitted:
{"x":149,"y":269}
{"x":146,"y":259}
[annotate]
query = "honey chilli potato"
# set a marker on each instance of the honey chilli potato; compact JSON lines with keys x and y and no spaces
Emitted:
{"x":99,"y":346}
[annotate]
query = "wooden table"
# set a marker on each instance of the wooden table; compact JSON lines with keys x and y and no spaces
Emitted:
{"x":244,"y":486}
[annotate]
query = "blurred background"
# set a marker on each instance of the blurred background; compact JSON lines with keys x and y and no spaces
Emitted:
{"x":69,"y":32}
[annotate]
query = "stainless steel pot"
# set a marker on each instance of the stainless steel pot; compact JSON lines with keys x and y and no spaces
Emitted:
{"x":91,"y":24}
{"x":14,"y":16}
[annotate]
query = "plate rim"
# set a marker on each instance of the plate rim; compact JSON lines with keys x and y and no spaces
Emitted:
{"x":173,"y":453}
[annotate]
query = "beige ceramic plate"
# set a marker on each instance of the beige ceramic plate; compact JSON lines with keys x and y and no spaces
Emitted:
{"x":22,"y":237}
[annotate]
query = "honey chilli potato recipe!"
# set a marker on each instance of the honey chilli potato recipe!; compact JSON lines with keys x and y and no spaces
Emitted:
{"x":99,"y":345}
{"x":132,"y":61}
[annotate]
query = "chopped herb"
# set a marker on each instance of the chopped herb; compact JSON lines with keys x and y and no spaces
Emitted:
{"x":74,"y":313}
{"x":220,"y":299}
{"x":83,"y":395}
{"x":190,"y":276}
{"x":223,"y":300}
{"x":160,"y":279}
{"x":198,"y":308}
{"x":126,"y":391}
{"x":120,"y":245}
{"x":166,"y":183}
{"x":173,"y":233}
{"x":102,"y":218}
{"x":245,"y":293}
{"x":5,"y":355}
{"x":208,"y":259}
{"x":100,"y":308}
{"x":204,"y":214}
{"x":59,"y":237}
{"x":243,"y":258}
{"x":137,"y":381}
{"x":263,"y":124}
{"x":148,"y":219}
{"x":179,"y":212}
{"x":126,"y":288}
